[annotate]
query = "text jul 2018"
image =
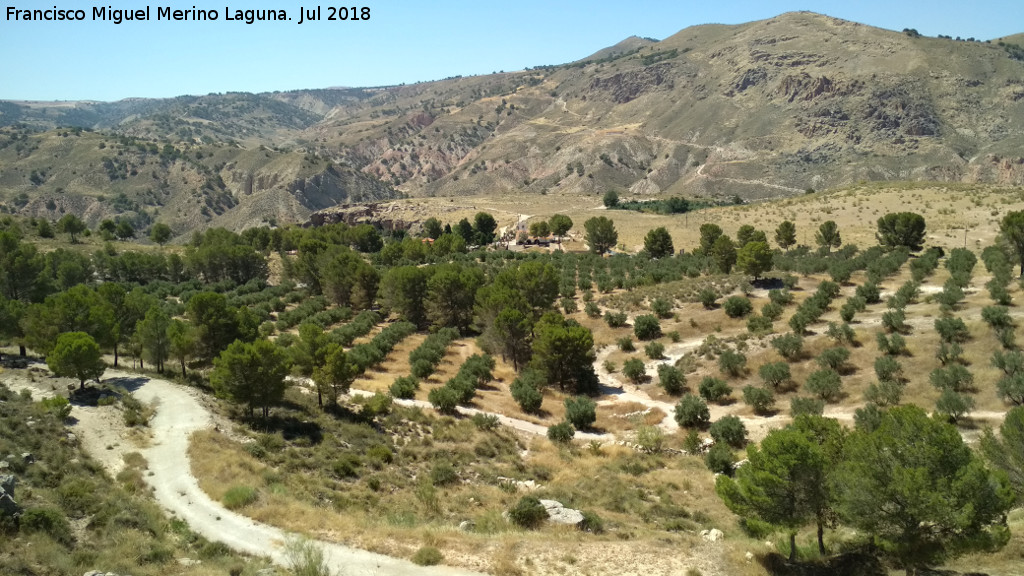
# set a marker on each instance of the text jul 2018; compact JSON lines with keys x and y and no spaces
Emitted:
{"x":167,"y":13}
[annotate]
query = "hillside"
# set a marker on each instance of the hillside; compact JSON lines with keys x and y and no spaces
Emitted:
{"x":764,"y":109}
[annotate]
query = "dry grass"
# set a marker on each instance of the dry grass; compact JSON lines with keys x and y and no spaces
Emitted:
{"x":948,"y":208}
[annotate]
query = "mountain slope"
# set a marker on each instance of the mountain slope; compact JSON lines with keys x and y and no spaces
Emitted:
{"x":756,"y":110}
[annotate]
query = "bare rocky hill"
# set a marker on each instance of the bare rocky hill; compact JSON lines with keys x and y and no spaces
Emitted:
{"x":757,"y":110}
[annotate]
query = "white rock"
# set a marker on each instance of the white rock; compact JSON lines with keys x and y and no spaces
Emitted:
{"x":560,"y":514}
{"x":713,"y":535}
{"x":749,"y":556}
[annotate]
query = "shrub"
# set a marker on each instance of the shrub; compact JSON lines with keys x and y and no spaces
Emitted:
{"x":591,"y":522}
{"x":592,"y":310}
{"x":894,"y":321}
{"x":713,"y":389}
{"x":707,"y":298}
{"x":998,"y":292}
{"x":805,"y":405}
{"x":443,"y":474}
{"x":825,"y":384}
{"x":884,"y":393}
{"x":952,"y":329}
{"x":961,"y":263}
{"x":848,"y":311}
{"x":720,"y":459}
{"x":674,"y":336}
{"x":655,"y":350}
{"x":239,"y":496}
{"x":780,"y":297}
{"x":759,"y":325}
{"x":858,"y":303}
{"x":427,"y":556}
{"x":580,"y":411}
{"x":868,"y":418}
{"x":444,"y":399}
{"x":790,"y":346}
{"x":379,"y":453}
{"x":1007,"y":338}
{"x":772,"y":311}
{"x":954,"y":405}
{"x":997,"y":317}
{"x":732,"y":363}
{"x":888,"y":368}
{"x":774,"y":374}
{"x":650,"y":439}
{"x":798,"y":322}
{"x":635,"y":370}
{"x":48,"y":521}
{"x":954,"y":377}
{"x":692,"y":412}
{"x":893,"y":345}
{"x":569,"y":306}
{"x":737,"y":306}
{"x":949,"y":353}
{"x":528,"y":513}
{"x":526,"y":391}
{"x":833,"y":358}
{"x":615,"y":319}
{"x":485,"y":421}
{"x":646,"y":327}
{"x":692,"y":442}
{"x":760,"y":399}
{"x":661,"y":307}
{"x":869,"y":292}
{"x":404,"y":387}
{"x":306,"y":558}
{"x":671,"y":379}
{"x":730,"y":430}
{"x":950,"y":296}
{"x":841,"y":333}
{"x":626,"y":344}
{"x":59,"y":406}
{"x":561,"y":433}
{"x":422,"y":368}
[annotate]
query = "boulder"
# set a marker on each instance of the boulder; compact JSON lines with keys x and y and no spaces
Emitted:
{"x":713,"y":535}
{"x":8,"y":507}
{"x":7,"y":483}
{"x":560,"y":514}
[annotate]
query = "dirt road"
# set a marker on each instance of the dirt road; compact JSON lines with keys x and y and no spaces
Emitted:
{"x":178,"y":414}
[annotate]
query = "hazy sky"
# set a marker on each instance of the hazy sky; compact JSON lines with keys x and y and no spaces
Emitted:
{"x":403,"y":41}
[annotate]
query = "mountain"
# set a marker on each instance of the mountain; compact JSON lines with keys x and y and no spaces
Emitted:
{"x":757,"y":110}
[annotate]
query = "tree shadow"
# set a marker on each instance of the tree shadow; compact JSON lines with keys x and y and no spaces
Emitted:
{"x":292,"y":428}
{"x":128,"y":383}
{"x":769,"y":283}
{"x":849,"y":564}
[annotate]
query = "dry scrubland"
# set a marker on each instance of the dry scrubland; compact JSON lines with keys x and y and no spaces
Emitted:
{"x":948,"y":208}
{"x":407,"y":482}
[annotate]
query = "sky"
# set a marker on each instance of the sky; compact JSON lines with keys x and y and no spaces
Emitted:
{"x":403,"y":41}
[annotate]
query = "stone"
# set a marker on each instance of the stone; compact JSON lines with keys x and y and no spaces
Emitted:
{"x":28,"y":457}
{"x":713,"y":535}
{"x":189,"y":562}
{"x":559,"y":514}
{"x":749,"y":556}
{"x":7,"y":483}
{"x":466,"y":526}
{"x":8,"y":507}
